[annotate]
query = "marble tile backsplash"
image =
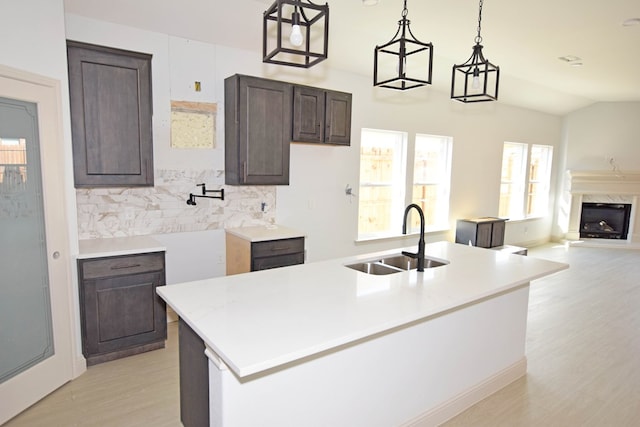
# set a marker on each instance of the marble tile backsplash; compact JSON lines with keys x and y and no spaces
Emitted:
{"x":119,"y":212}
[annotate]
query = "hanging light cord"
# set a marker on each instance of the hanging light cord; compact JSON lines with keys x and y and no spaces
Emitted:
{"x":304,"y":15}
{"x":478,"y":37}
{"x":405,"y":11}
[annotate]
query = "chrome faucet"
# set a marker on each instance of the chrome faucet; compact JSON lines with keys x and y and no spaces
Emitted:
{"x":420,"y":254}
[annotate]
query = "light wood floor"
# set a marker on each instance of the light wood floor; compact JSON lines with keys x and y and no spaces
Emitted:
{"x":583,"y":351}
{"x":141,"y":390}
{"x":583,"y":347}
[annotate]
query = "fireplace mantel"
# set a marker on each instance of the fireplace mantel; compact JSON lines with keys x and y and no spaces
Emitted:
{"x":606,"y":187}
{"x":603,"y":182}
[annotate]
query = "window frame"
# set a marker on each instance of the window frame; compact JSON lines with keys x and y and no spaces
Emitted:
{"x":545,"y":183}
{"x":404,"y":186}
{"x":524,"y":182}
{"x":443,"y":185}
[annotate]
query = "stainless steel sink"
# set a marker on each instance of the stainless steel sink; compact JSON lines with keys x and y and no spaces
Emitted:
{"x":373,"y":268}
{"x":407,"y":263}
{"x":393,"y":264}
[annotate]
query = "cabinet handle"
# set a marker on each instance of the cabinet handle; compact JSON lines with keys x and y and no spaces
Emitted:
{"x":244,"y":171}
{"x":122,"y":267}
{"x":281,"y":248}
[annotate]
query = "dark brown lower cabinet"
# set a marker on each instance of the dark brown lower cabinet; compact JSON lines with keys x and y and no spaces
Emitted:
{"x":121,"y":314}
{"x":277,"y":253}
{"x":244,"y":256}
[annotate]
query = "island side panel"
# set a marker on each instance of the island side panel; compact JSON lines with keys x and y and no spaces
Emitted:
{"x":428,"y":371}
{"x":194,"y":384}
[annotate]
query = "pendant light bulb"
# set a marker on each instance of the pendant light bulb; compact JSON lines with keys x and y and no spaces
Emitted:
{"x":402,"y":70}
{"x":295,"y":38}
{"x":475,"y":83}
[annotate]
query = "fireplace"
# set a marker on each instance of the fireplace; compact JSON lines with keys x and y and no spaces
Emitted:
{"x":605,"y":220}
{"x":596,"y":190}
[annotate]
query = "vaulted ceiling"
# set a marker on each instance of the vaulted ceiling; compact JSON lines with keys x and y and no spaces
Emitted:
{"x":525,"y":38}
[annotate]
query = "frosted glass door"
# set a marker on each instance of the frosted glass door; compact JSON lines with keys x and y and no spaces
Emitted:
{"x":26,"y":335}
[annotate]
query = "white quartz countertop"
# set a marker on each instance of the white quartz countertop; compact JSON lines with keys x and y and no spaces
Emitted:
{"x":98,"y":248}
{"x":265,"y":319}
{"x":263,"y":233}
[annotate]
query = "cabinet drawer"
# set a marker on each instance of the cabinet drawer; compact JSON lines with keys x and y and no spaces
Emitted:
{"x":121,"y":265}
{"x":277,"y":261}
{"x":277,"y":247}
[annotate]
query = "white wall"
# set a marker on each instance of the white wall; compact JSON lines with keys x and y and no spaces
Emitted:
{"x":596,"y":138}
{"x":603,"y":131}
{"x":315,"y":201}
{"x":33,"y":40}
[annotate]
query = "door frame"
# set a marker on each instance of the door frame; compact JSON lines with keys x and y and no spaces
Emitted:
{"x":26,"y":388}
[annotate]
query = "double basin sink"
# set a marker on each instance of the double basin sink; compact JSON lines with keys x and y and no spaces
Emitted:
{"x":393,"y":264}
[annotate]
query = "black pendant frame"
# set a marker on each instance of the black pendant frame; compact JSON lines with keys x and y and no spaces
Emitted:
{"x":477,"y":66}
{"x":478,"y":71}
{"x":307,"y":14}
{"x":401,"y":47}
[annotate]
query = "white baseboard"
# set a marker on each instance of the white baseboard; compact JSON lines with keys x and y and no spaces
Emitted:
{"x":467,"y":399}
{"x":532,"y":243}
{"x":79,"y":367}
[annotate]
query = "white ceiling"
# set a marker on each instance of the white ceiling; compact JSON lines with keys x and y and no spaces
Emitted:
{"x":525,"y":38}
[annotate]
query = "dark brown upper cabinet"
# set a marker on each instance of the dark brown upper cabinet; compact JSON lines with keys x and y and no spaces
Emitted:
{"x":111,"y":109}
{"x":257,"y":130}
{"x":321,"y":116}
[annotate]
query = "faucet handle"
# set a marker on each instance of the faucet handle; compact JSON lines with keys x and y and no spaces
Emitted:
{"x":410,"y":254}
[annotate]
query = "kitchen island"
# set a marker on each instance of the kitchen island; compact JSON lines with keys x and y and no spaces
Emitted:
{"x":324,"y":344}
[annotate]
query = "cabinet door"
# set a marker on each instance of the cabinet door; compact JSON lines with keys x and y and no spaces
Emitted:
{"x":110,"y":94}
{"x":497,"y":234}
{"x":337,"y":118}
{"x":258,"y":131}
{"x":122,"y":312}
{"x":308,"y":114}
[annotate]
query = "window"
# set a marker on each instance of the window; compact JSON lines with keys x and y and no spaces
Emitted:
{"x":431,"y":177}
{"x":539,"y":179}
{"x":514,"y":169}
{"x":392,"y":176}
{"x":13,"y":164}
{"x":520,"y":175}
{"x":382,"y":176}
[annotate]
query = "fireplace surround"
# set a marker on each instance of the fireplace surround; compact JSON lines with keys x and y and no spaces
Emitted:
{"x":592,"y":188}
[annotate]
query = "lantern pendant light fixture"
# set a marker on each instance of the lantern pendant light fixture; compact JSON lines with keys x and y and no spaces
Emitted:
{"x":295,"y":33}
{"x":404,"y":62}
{"x":477,"y":79}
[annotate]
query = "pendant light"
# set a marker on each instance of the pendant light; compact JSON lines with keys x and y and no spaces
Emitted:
{"x":477,"y":79}
{"x":295,"y":33}
{"x":404,"y":62}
